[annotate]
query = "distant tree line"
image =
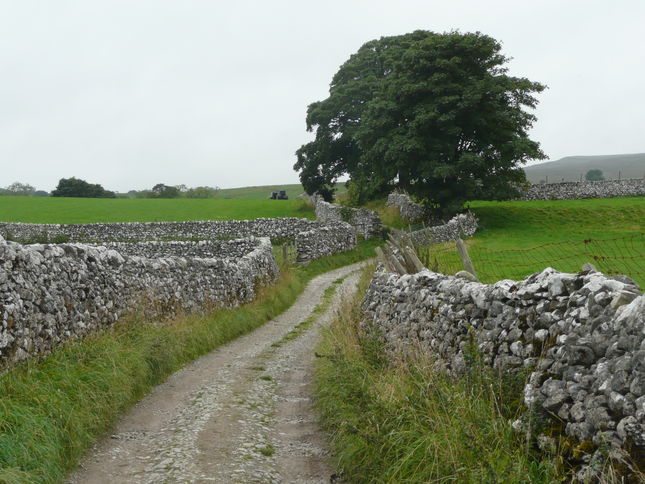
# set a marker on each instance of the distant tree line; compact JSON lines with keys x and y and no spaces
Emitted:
{"x":161,"y":190}
{"x":18,"y":189}
{"x":594,"y":175}
{"x":75,"y":187}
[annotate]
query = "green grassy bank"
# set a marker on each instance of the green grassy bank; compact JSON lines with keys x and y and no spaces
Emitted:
{"x":515,"y":239}
{"x":395,"y":422}
{"x":90,"y":210}
{"x":519,"y":224}
{"x":52,"y":409}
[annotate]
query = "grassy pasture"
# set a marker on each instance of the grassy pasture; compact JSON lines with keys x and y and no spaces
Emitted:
{"x":519,"y":238}
{"x":90,"y":210}
{"x":516,"y":239}
{"x":520,"y":224}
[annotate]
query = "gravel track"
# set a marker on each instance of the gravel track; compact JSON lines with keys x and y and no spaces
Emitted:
{"x":241,"y":413}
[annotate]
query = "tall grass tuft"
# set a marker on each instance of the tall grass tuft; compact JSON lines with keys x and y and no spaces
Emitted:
{"x":407,"y":422}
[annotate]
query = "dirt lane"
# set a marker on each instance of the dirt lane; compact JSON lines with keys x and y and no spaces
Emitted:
{"x":241,"y":413}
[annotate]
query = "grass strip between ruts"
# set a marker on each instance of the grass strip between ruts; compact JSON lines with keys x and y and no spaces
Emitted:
{"x":54,"y":408}
{"x":320,"y":308}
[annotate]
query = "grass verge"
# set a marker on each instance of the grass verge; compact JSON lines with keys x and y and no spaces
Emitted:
{"x":407,"y":423}
{"x":54,"y":408}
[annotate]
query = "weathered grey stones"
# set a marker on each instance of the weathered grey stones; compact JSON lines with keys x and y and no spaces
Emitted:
{"x":408,"y":209}
{"x":51,"y":293}
{"x":577,"y":190}
{"x":366,"y":222}
{"x":462,"y":225}
{"x":581,"y":335}
{"x":339,"y":236}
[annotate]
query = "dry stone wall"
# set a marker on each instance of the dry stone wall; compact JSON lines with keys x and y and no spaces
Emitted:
{"x":204,"y":249}
{"x":461,"y":225}
{"x":274,"y":228}
{"x":409,"y":209}
{"x":52,"y":293}
{"x":581,"y":336}
{"x":323,"y":241}
{"x":366,"y":222}
{"x":339,"y":236}
{"x":577,"y":190}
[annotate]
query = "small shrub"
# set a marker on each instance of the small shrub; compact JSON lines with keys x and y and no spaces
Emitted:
{"x":60,"y":239}
{"x":346,"y":214}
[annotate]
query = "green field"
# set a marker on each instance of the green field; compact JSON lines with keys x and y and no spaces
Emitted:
{"x":516,"y":239}
{"x":89,"y":210}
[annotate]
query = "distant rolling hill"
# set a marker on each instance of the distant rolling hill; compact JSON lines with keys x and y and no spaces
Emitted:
{"x":571,"y":167}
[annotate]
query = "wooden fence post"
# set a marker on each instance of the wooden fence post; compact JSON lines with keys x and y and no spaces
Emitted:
{"x":465,"y":258}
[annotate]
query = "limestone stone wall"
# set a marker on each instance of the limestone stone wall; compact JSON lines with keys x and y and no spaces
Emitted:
{"x":409,"y":209}
{"x":274,"y":228}
{"x":204,"y":249}
{"x":323,"y":241}
{"x":52,"y":293}
{"x":366,"y":222}
{"x":319,"y":235}
{"x":576,"y":190}
{"x":580,"y":336}
{"x":461,"y":225}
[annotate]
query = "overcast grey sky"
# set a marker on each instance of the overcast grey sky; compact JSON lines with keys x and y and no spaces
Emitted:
{"x":133,"y":93}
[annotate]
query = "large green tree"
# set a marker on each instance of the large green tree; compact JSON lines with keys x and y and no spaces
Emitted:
{"x":434,"y":114}
{"x":75,"y":187}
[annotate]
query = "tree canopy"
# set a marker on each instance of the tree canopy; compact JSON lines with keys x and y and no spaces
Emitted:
{"x":434,"y":114}
{"x":165,"y":191}
{"x":75,"y":187}
{"x":594,"y":175}
{"x":20,"y":189}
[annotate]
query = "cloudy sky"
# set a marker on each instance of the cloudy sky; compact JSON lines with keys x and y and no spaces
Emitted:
{"x":137,"y":92}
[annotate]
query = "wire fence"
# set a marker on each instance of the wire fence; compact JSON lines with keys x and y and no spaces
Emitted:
{"x":613,"y":256}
